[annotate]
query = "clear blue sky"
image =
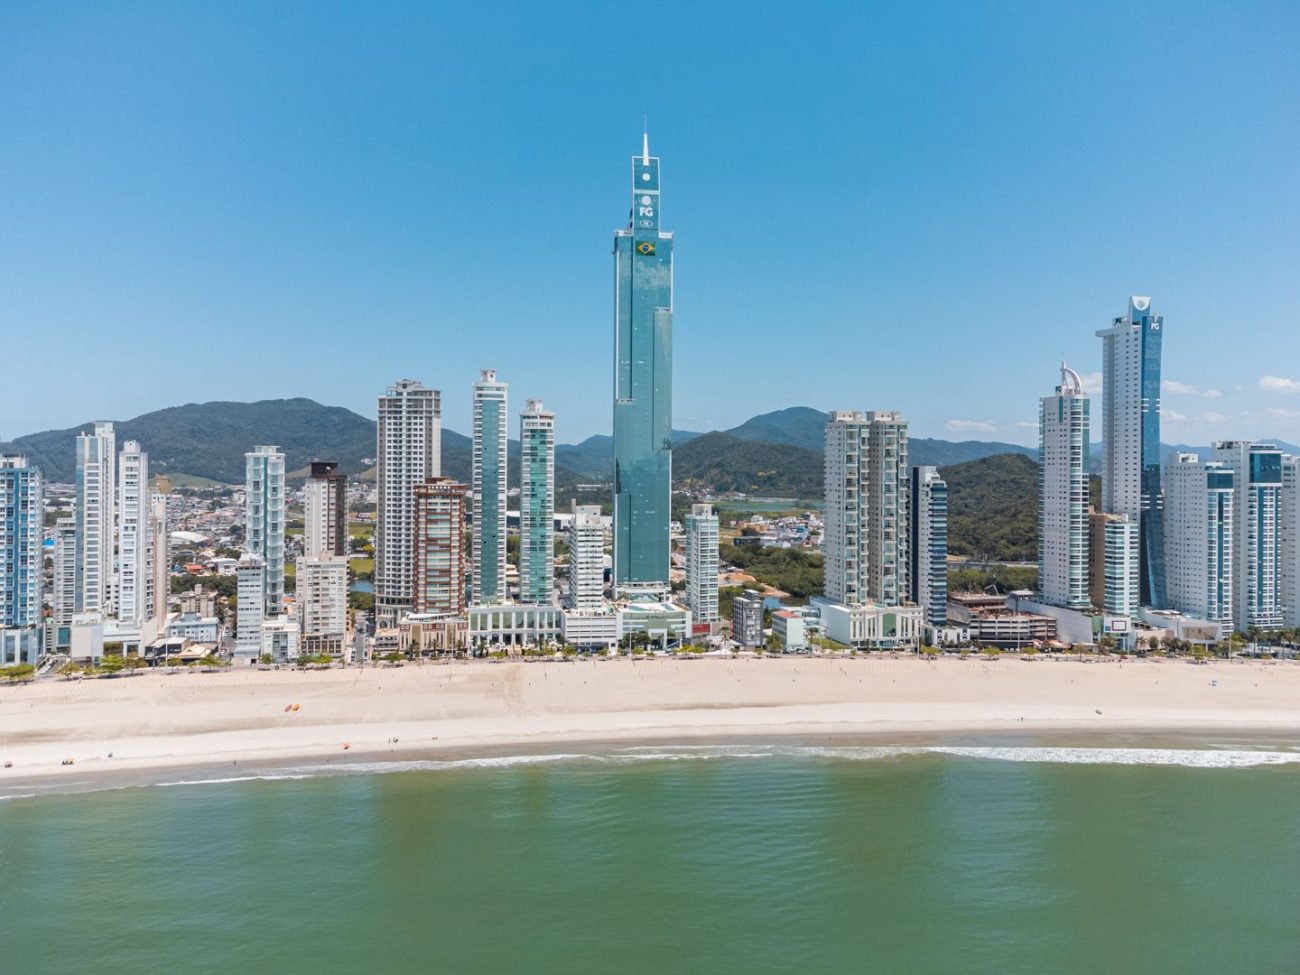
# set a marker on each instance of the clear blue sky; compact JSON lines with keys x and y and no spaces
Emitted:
{"x":909,"y":206}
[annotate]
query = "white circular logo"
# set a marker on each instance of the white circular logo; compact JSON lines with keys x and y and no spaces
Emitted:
{"x":645,"y":201}
{"x":645,"y":177}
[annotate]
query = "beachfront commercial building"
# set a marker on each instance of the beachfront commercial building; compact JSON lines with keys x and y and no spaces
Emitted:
{"x":929,"y":569}
{"x":439,"y":561}
{"x":95,"y":509}
{"x":409,"y":440}
{"x":592,"y":629}
{"x":654,"y":622}
{"x":264,"y":501}
{"x":789,"y":626}
{"x":134,"y":544}
{"x":325,"y":511}
{"x":514,"y":626}
{"x":1257,"y":543}
{"x":643,"y":386}
{"x":702,"y":564}
{"x":1063,"y":494}
{"x":586,"y":559}
{"x":1130,"y":467}
{"x":872,"y":626}
{"x":22,"y":569}
{"x":537,"y":505}
{"x":489,"y":489}
{"x":1199,"y":550}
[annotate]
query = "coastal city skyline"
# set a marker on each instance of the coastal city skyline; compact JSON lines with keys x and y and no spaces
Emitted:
{"x":1021,"y":221}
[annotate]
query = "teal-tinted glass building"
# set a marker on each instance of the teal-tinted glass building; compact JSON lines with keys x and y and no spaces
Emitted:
{"x":643,"y":384}
{"x":489,"y":488}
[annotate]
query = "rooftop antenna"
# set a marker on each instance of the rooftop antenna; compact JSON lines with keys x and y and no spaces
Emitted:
{"x":645,"y":140}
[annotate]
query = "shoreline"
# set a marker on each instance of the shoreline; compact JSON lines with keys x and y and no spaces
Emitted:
{"x":156,"y":725}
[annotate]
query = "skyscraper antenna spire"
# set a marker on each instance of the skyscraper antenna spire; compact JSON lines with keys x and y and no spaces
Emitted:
{"x":645,"y":141}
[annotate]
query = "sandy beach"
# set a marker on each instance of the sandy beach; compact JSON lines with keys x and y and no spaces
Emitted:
{"x":154,"y":722}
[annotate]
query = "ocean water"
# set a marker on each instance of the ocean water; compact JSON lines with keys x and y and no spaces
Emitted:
{"x":719,"y":859}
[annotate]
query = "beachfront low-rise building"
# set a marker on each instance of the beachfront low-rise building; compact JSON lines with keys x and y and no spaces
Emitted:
{"x":514,"y":625}
{"x":789,"y":629}
{"x":433,"y":633}
{"x":192,"y":626}
{"x":664,"y":624}
{"x":747,"y":619}
{"x":873,"y":626}
{"x":589,"y":630}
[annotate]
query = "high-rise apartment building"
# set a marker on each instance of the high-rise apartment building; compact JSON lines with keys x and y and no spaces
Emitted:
{"x":643,"y":385}
{"x":134,"y":543}
{"x":1199,"y":523}
{"x":489,"y":489}
{"x":1290,"y":530}
{"x":844,"y":536}
{"x":586,"y":558}
{"x":22,"y":568}
{"x":321,"y":594}
{"x":409,"y":435}
{"x":160,"y":561}
{"x":537,"y":505}
{"x":889,"y":524}
{"x":867,"y":532}
{"x":1063,"y":494}
{"x":250,"y":606}
{"x":1120,"y":567}
{"x":264,"y":500}
{"x":65,"y":570}
{"x":1130,"y":475}
{"x":95,"y":511}
{"x":929,"y":569}
{"x":1256,"y":542}
{"x":439,"y":567}
{"x":702,"y":564}
{"x":325,"y":511}
{"x":747,"y":619}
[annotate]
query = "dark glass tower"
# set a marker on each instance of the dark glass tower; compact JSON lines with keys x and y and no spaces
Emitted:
{"x":643,"y":385}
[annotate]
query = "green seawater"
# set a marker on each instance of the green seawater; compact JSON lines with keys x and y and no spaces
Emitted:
{"x":748,"y":859}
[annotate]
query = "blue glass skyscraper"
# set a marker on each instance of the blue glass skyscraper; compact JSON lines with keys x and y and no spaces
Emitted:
{"x":1130,"y":477}
{"x":643,"y":385}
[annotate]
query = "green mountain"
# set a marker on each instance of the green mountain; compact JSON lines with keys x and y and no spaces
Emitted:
{"x":993,"y":508}
{"x":210,"y":439}
{"x":723,"y":462}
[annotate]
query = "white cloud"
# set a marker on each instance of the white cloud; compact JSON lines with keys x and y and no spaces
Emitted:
{"x":1278,"y":384}
{"x":1026,"y":425}
{"x":1092,"y":383}
{"x":1173,"y":416}
{"x":1281,"y":414}
{"x":1174,"y":388}
{"x":1212,"y":394}
{"x":971,"y":426}
{"x":1213,"y":417}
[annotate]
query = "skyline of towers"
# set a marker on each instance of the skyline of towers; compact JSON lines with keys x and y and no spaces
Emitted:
{"x":264,"y":518}
{"x":643,"y":322}
{"x":96,"y":497}
{"x":409,"y":440}
{"x":1199,"y":548}
{"x":439,"y":553}
{"x":929,"y":568}
{"x":22,"y":569}
{"x":1063,"y":494}
{"x":536,"y":504}
{"x":325,"y":511}
{"x":488,"y":488}
{"x":702,"y":564}
{"x":1130,"y":475}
